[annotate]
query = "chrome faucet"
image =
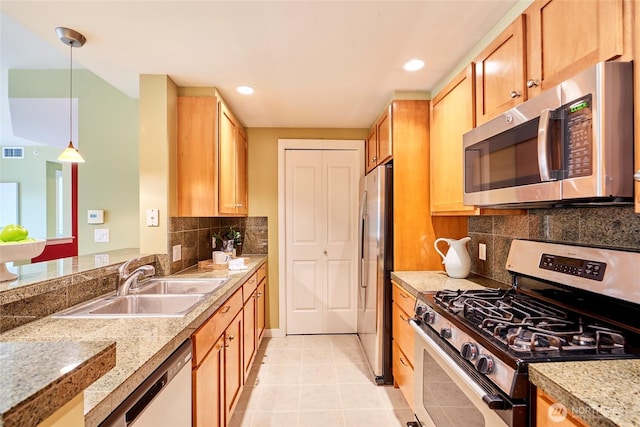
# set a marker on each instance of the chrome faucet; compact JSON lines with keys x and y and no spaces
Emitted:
{"x":128,"y":280}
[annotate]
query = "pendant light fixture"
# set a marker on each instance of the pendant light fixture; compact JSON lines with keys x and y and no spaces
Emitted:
{"x":72,"y":39}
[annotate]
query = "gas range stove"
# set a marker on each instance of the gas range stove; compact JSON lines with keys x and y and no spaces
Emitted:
{"x":566,"y":303}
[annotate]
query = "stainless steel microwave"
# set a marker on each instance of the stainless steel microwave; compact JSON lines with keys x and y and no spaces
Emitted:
{"x":570,"y":144}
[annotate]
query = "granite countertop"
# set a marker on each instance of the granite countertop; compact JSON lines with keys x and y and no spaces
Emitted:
{"x":141,"y":344}
{"x":30,"y":392}
{"x":602,"y":393}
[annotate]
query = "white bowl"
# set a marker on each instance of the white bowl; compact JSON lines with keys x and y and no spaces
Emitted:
{"x":18,"y":252}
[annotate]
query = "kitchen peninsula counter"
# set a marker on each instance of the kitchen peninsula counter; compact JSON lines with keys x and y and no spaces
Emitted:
{"x":141,"y":344}
{"x":603,"y":393}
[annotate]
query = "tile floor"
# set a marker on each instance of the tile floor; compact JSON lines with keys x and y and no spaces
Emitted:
{"x":316,"y":380}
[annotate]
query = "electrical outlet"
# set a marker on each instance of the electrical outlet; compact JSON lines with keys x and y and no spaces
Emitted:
{"x":177,"y":253}
{"x":152,"y":218}
{"x":482,"y":251}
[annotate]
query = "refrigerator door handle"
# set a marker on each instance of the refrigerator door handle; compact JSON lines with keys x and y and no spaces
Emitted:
{"x":363,"y":230}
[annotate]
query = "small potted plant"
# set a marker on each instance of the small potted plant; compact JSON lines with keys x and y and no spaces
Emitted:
{"x":231,"y":239}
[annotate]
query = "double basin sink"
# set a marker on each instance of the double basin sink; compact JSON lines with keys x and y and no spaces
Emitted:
{"x":155,"y":297}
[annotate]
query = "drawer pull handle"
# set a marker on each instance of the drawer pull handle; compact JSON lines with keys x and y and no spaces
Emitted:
{"x":225,"y":309}
{"x":403,"y":362}
{"x":259,"y":294}
{"x":402,"y":317}
{"x":403,"y":296}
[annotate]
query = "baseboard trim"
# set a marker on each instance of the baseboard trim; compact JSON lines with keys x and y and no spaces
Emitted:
{"x":274,"y":333}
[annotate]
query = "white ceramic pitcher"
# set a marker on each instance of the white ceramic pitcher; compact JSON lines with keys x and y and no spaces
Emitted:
{"x":457,"y":263}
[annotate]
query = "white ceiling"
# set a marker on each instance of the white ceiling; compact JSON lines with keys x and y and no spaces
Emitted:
{"x":312,"y":63}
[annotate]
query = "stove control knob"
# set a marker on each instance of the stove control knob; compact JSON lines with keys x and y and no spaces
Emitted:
{"x":469,"y":350}
{"x":445,"y":333}
{"x":428,"y":316}
{"x":484,"y":364}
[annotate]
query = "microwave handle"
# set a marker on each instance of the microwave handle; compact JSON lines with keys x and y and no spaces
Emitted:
{"x":543,"y":145}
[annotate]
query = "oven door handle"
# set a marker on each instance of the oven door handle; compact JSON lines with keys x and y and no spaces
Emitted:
{"x":493,"y":401}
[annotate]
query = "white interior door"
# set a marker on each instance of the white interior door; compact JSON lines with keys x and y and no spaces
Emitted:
{"x":321,"y":203}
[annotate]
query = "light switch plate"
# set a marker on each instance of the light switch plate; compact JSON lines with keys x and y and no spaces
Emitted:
{"x":101,"y":235}
{"x":152,"y":218}
{"x":177,"y":253}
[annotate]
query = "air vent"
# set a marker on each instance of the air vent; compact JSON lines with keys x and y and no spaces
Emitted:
{"x":13,"y":152}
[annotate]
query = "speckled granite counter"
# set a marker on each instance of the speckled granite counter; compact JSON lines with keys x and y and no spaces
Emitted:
{"x":603,"y":393}
{"x":38,"y":378}
{"x":142,"y":344}
{"x":421,"y":281}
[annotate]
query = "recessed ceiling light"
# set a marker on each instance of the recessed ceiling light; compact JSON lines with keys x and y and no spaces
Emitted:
{"x":245,"y":90}
{"x":414,"y":65}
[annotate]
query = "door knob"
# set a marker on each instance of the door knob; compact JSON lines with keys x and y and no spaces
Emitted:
{"x":532,"y":83}
{"x":515,"y":94}
{"x":636,"y":176}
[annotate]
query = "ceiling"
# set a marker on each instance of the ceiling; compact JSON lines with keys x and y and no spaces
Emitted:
{"x":312,"y":63}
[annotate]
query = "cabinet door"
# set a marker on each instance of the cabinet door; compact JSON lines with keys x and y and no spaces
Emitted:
{"x":543,"y":411}
{"x":242,"y":195}
{"x":261,"y":301}
{"x":452,"y":115}
{"x":500,"y":73}
{"x":402,"y":373}
{"x":227,"y":161}
{"x":371,"y":149}
{"x":385,"y":147}
{"x":249,"y":333}
{"x":233,"y":370}
{"x":197,"y":181}
{"x":401,"y":331}
{"x":208,"y":395}
{"x":570,"y":36}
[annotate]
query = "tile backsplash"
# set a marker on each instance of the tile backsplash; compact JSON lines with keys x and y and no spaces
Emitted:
{"x":611,"y":226}
{"x":194,"y":235}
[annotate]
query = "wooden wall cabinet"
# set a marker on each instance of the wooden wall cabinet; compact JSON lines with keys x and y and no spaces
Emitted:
{"x":559,"y":45}
{"x":402,"y":342}
{"x":500,"y":73}
{"x":232,"y":164}
{"x":379,"y":143}
{"x":212,"y":159}
{"x":414,"y":230}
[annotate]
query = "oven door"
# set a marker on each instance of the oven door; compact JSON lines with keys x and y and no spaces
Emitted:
{"x":446,"y":395}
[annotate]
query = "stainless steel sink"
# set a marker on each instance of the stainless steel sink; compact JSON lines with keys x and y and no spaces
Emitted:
{"x":167,"y":285}
{"x":135,"y":306}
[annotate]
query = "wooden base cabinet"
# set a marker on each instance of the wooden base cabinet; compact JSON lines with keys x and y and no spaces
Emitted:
{"x":249,"y":338}
{"x":549,"y":416}
{"x":233,"y":371}
{"x":403,"y":341}
{"x":208,"y":392}
{"x":261,"y":301}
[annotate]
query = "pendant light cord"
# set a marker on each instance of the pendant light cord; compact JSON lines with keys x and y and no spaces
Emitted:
{"x":71,"y":93}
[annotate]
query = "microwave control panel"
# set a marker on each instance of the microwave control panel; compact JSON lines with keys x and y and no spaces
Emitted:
{"x":579,"y":136}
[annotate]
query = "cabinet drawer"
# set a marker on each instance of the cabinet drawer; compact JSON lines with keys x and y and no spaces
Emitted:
{"x":262,"y":272}
{"x":249,"y":287}
{"x":205,"y":337}
{"x":404,"y":299}
{"x":403,"y":374}
{"x":401,"y":330}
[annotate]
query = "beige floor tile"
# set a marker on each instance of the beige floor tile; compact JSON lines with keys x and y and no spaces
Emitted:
{"x":290,"y":341}
{"x":316,"y":356}
{"x":366,"y":418}
{"x":354,"y":373}
{"x":275,"y":419}
{"x":281,"y":374}
{"x":345,"y":341}
{"x":318,"y":374}
{"x":400,"y":417}
{"x":317,"y":341}
{"x":249,"y":399}
{"x":241,"y":419}
{"x":348,"y":355}
{"x":321,"y":419}
{"x":319,"y":397}
{"x":279,"y":398}
{"x":283,"y":356}
{"x":392,"y":398}
{"x":360,"y":396}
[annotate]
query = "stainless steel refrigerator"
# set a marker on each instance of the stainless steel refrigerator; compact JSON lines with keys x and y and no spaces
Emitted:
{"x":376,"y":263}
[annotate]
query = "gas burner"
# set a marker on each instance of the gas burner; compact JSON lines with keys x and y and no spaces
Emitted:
{"x":584,"y":340}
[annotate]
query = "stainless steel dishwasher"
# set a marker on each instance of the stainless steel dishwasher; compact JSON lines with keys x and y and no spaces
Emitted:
{"x":163,"y":399}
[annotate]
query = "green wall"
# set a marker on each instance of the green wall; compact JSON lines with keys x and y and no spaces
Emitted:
{"x":108,"y":141}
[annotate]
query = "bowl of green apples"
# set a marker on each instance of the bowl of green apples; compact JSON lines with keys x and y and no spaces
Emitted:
{"x":16,"y":245}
